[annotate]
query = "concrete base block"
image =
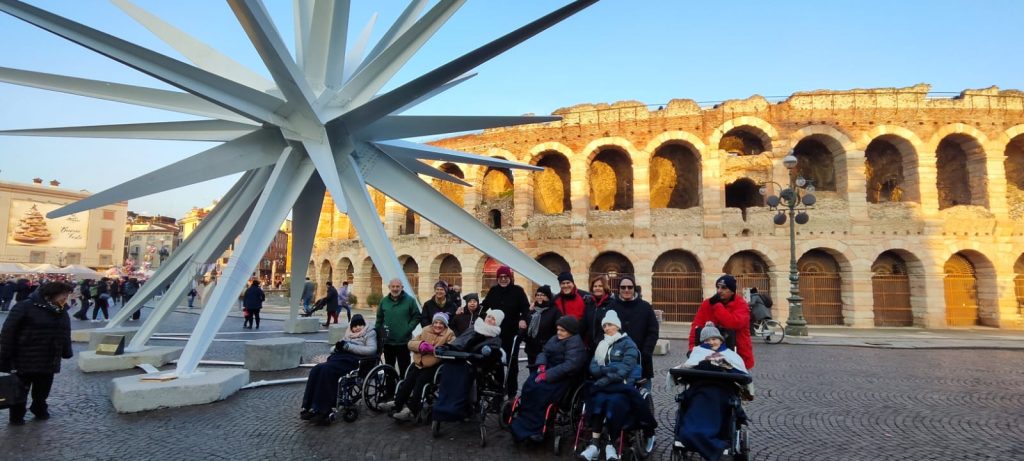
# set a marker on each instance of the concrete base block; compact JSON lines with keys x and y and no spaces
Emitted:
{"x":157,"y":356}
{"x":336,"y":332}
{"x":302,"y":325}
{"x":662,"y":347}
{"x":131,"y":394}
{"x":273,"y":354}
{"x":96,"y":335}
{"x":81,"y":336}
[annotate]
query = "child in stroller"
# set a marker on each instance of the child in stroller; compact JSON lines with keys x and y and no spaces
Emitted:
{"x":710,"y":417}
{"x":321,"y":392}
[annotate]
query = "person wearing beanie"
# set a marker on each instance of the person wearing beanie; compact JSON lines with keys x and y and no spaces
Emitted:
{"x":613,"y":400}
{"x":511,"y":300}
{"x":563,"y":359}
{"x":321,"y":391}
{"x":455,"y":384}
{"x":639,"y":322}
{"x":441,"y":302}
{"x":405,"y":407}
{"x":569,"y":300}
{"x":541,"y":325}
{"x":466,"y":315}
{"x":728,"y":311}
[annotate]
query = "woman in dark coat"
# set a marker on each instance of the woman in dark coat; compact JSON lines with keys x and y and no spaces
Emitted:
{"x":540,"y":326}
{"x":322,"y":386}
{"x":34,"y":338}
{"x":252,"y":302}
{"x":560,"y":364}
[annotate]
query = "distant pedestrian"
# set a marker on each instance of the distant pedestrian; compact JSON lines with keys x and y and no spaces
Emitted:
{"x":86,"y":290}
{"x":308,"y":289}
{"x":103,"y":300}
{"x":130,"y":288}
{"x":192,"y":296}
{"x":6,"y":294}
{"x":252,"y":302}
{"x":331,"y":304}
{"x":343,"y":300}
{"x":35,"y":337}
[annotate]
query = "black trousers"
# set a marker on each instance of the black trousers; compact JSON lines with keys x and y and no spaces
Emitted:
{"x":511,"y":347}
{"x":254,"y":316}
{"x":411,"y":390}
{"x":399,"y":355}
{"x":83,"y":312}
{"x":38,"y":384}
{"x":138,"y":312}
{"x":101,"y":304}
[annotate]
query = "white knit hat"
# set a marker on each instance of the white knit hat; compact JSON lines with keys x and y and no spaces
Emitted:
{"x":710,"y":331}
{"x":498,"y":315}
{"x":613,"y":318}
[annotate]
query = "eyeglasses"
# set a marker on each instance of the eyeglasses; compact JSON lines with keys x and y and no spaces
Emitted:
{"x":626,"y":287}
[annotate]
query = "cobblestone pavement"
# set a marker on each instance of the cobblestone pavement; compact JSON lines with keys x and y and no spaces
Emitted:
{"x":843,"y":403}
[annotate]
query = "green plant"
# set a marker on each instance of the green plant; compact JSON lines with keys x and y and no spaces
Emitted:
{"x":373,"y":300}
{"x":353,"y":300}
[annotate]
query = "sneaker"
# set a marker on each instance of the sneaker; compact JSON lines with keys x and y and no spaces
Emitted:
{"x":590,"y":453}
{"x":678,"y":444}
{"x":610,"y":453}
{"x":649,"y":444}
{"x":41,"y":415}
{"x":386,"y":406}
{"x":404,"y":415}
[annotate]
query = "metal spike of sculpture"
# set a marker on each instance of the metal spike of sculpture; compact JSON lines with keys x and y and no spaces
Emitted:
{"x":320,"y":125}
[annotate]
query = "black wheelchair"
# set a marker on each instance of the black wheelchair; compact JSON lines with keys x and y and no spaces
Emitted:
{"x":632,"y":445}
{"x":488,"y":392}
{"x":560,"y":418}
{"x":735,"y":421}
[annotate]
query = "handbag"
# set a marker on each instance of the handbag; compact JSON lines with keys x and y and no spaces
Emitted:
{"x":12,"y":392}
{"x":246,"y":313}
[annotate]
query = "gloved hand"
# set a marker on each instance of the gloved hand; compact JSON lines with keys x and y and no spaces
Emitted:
{"x":542,"y":368}
{"x":715,"y":299}
{"x":543,"y":375}
{"x":426,"y":348}
{"x":602,"y":382}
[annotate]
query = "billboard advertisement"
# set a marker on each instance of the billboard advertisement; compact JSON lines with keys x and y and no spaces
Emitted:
{"x":29,"y":226}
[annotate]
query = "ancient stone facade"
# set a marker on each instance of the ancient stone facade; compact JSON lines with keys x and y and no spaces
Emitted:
{"x":919,"y":217}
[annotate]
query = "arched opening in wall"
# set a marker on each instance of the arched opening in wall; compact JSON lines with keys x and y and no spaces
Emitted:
{"x":412,"y":273}
{"x":1018,"y":283}
{"x":450,"y":270}
{"x":311,"y":271}
{"x":1014,"y":166}
{"x":326,"y":275}
{"x":490,"y":276}
{"x":676,"y":285}
{"x":552,"y":187}
{"x":890,"y":287}
{"x":494,"y":219}
{"x":743,"y":193}
{"x":821,"y":287}
{"x":555,"y":263}
{"x":675,"y":177}
{"x":744,"y":140}
{"x":890,"y":170}
{"x":611,"y":180}
{"x":816,"y":163}
{"x":498,"y":185}
{"x":409,"y":226}
{"x":961,"y":287}
{"x":345,"y":268}
{"x":376,"y":280}
{"x":960,"y":178}
{"x":454,"y":192}
{"x":750,"y":270}
{"x":612,"y":264}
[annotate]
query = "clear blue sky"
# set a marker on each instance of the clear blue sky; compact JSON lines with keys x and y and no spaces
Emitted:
{"x":651,"y":51}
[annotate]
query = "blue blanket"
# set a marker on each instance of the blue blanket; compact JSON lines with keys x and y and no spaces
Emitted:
{"x":533,"y":402}
{"x":703,"y":420}
{"x":455,"y":390}
{"x":620,"y":405}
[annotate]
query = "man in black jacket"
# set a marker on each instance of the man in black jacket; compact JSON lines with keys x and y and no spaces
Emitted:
{"x":639,"y":322}
{"x":511,"y":299}
{"x":6,"y":295}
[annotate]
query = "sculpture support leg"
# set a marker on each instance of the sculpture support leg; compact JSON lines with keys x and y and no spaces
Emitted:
{"x":305,"y":214}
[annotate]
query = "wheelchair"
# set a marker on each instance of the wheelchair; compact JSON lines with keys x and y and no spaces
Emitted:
{"x":735,"y":421}
{"x":488,"y":392}
{"x":560,"y":418}
{"x":631,"y":439}
{"x":351,"y":389}
{"x":427,"y":396}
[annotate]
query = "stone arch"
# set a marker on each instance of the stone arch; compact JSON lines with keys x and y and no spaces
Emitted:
{"x":411,"y":269}
{"x":1018,"y":282}
{"x":830,"y":147}
{"x":346,"y":269}
{"x":311,"y":270}
{"x":553,"y":262}
{"x":612,"y":264}
{"x":376,"y":280}
{"x":960,"y":171}
{"x":891,"y":290}
{"x":494,"y":218}
{"x":821,"y":287}
{"x":891,"y":170}
{"x":676,"y":285}
{"x":454,"y":192}
{"x":449,"y":269}
{"x":411,"y":223}
{"x":675,"y":176}
{"x":552,"y":188}
{"x":743,"y":193}
{"x":611,"y":179}
{"x":751,"y":269}
{"x":754,"y":126}
{"x":497,"y":183}
{"x":1013,"y":165}
{"x":970,"y":288}
{"x":326,"y":275}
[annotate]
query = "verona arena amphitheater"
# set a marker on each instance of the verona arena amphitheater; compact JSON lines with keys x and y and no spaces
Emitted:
{"x":918,"y":221}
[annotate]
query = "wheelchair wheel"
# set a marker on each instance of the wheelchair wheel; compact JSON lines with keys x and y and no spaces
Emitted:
{"x":483,"y":436}
{"x":379,"y":386}
{"x":350,"y":415}
{"x":435,"y":429}
{"x":743,"y":452}
{"x":556,"y":448}
{"x":505,"y":418}
{"x":772,"y":331}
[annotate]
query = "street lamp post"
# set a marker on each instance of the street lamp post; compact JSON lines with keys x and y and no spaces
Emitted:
{"x":793,"y":201}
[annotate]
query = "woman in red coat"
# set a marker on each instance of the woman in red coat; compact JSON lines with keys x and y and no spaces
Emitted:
{"x":727,"y":311}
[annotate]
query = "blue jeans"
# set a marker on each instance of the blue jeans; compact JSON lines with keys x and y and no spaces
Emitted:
{"x":348,"y":311}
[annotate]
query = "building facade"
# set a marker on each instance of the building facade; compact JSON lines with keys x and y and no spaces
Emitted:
{"x":918,"y":222}
{"x":273,"y":266}
{"x":93,"y":238}
{"x":149,"y":240}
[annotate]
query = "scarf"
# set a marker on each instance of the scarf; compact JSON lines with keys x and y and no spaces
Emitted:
{"x":349,"y":335}
{"x":483,"y":328}
{"x":601,"y":353}
{"x":534,"y":327}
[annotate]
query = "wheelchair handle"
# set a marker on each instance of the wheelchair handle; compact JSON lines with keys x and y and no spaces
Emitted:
{"x":689,"y":374}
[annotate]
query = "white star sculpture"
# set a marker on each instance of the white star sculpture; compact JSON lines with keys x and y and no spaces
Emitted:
{"x":319,"y":125}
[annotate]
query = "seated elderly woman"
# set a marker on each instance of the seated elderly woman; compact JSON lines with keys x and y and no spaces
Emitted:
{"x":561,"y":362}
{"x":321,"y":393}
{"x":455,"y":389}
{"x":407,"y":402}
{"x":613,"y":402}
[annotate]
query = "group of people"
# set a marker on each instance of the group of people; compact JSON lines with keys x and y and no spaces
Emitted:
{"x":332,"y":303}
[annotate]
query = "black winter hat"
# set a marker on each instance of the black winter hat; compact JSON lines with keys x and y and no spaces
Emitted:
{"x":565,"y":276}
{"x":546,"y":290}
{"x":357,"y":320}
{"x":569,"y":323}
{"x":471,"y":296}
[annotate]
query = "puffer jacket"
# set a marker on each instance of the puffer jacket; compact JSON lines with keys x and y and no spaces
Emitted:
{"x":623,"y":358}
{"x":364,"y":345}
{"x":434,"y":339}
{"x":563,"y":358}
{"x":35,"y":337}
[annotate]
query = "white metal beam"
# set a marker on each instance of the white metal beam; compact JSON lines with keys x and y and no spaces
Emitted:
{"x":411,"y":126}
{"x":406,"y":149}
{"x":402,"y":24}
{"x":198,"y":130}
{"x":305,"y":216}
{"x":354,"y":56}
{"x":335,"y":70}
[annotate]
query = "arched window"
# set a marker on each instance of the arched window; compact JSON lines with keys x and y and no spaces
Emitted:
{"x":552,"y":187}
{"x":821,"y":288}
{"x":450,"y":270}
{"x":815,"y":162}
{"x":890,"y":286}
{"x":883,"y":170}
{"x":495,"y":216}
{"x":743,"y":141}
{"x":743,"y":193}
{"x":961,"y":288}
{"x":1014,"y":166}
{"x":612,"y":264}
{"x":412,"y":273}
{"x":675,"y":177}
{"x":750,"y":270}
{"x":454,"y":192}
{"x":611,"y":180}
{"x":676,"y":285}
{"x":960,"y":178}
